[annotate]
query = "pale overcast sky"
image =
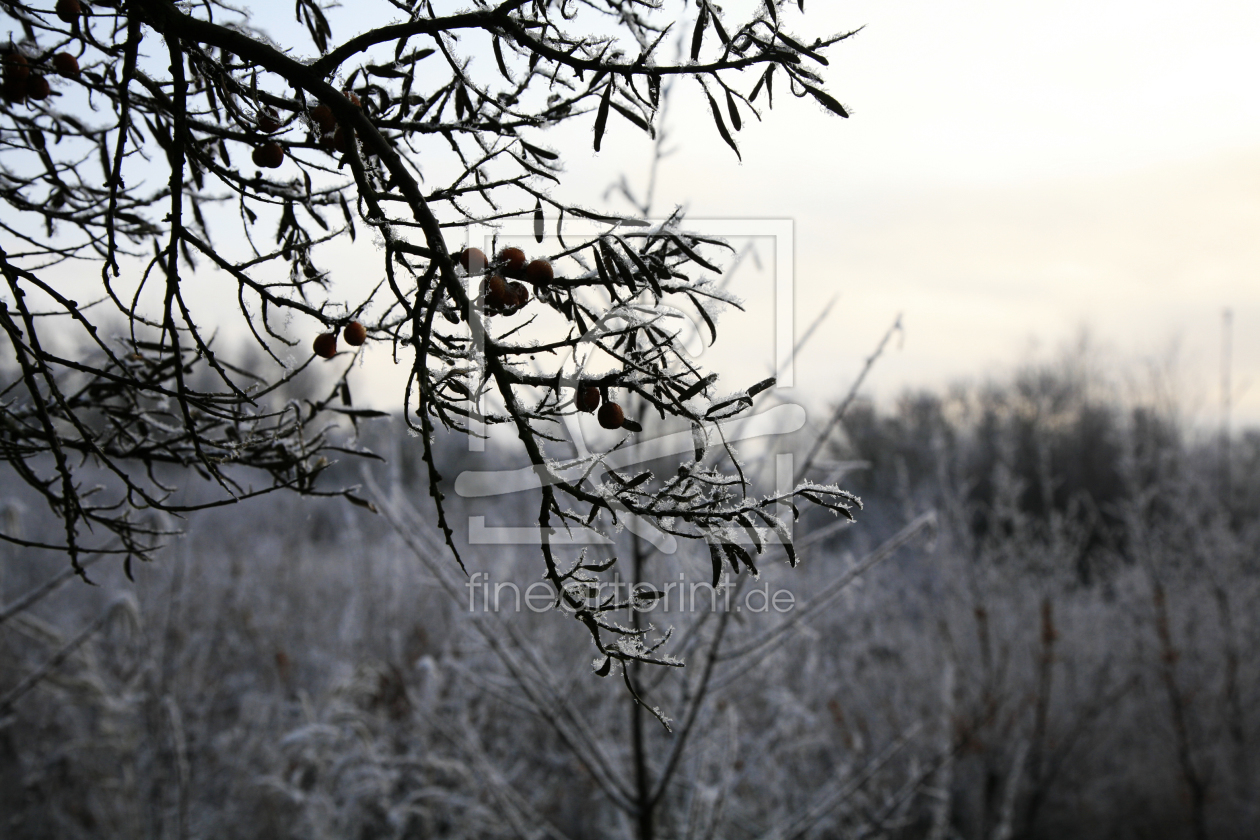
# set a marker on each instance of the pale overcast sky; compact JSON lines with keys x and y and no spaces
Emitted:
{"x":1012,"y":174}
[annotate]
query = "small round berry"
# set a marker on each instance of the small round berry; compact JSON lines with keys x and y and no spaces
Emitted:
{"x":69,"y":10}
{"x":37,"y":87}
{"x":539,"y":271}
{"x":472,"y":259}
{"x":518,"y":295}
{"x":14,"y":89}
{"x":497,"y":296}
{"x":269,"y":155}
{"x":513,"y":259}
{"x":322,"y":116}
{"x":611,"y":416}
{"x":354,"y":100}
{"x":268,"y":122}
{"x":66,"y":65}
{"x":326,"y":345}
{"x":17,"y":71}
{"x":587,"y":398}
{"x":341,"y":139}
{"x":354,"y":334}
{"x":16,"y":67}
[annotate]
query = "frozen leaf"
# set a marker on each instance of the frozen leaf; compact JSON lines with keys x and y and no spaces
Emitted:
{"x":721,"y":126}
{"x":601,"y":117}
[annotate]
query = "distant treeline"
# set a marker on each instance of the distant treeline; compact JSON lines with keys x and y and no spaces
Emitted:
{"x":1044,"y":449}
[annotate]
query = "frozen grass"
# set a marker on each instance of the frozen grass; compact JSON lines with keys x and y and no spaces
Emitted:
{"x":1052,"y":663}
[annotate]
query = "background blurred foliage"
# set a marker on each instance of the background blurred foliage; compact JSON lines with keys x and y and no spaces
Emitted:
{"x":1078,"y":668}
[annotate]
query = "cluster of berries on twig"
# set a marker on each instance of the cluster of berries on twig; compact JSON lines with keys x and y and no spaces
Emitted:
{"x":329,"y":135}
{"x":504,"y":294}
{"x":22,"y":81}
{"x":326,"y":343}
{"x":590,"y":397}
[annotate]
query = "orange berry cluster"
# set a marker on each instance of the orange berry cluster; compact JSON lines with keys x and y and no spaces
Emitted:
{"x":504,"y":296}
{"x":326,"y":344}
{"x":588,"y":399}
{"x":22,"y":82}
{"x":332,"y":137}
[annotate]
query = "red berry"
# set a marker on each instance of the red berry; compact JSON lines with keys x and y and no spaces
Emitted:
{"x":268,"y":121}
{"x":322,"y":116}
{"x":341,"y":139}
{"x":16,"y":73}
{"x":269,"y":155}
{"x":14,"y":89}
{"x":513,"y":260}
{"x":37,"y":87}
{"x":354,"y":100}
{"x":354,"y":334}
{"x":16,"y":67}
{"x":518,"y":295}
{"x":587,"y":398}
{"x":326,"y":345}
{"x":69,"y":10}
{"x":66,"y":65}
{"x":497,"y":296}
{"x":472,"y":259}
{"x":539,"y":271}
{"x":611,"y":416}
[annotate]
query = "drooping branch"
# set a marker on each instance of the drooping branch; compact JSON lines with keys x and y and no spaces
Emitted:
{"x":414,"y":152}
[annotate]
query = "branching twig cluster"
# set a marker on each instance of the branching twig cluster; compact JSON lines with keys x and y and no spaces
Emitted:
{"x":131,"y":160}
